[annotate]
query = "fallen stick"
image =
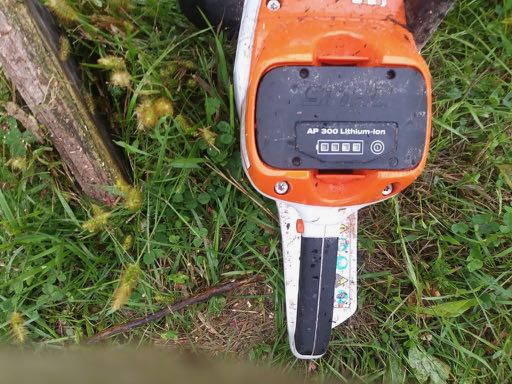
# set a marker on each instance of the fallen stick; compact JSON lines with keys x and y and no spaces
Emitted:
{"x":169,"y":310}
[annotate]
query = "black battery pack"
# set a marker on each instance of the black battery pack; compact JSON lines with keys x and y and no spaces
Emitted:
{"x":341,"y":118}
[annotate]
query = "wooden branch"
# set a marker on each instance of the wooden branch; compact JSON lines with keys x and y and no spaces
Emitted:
{"x":51,"y":89}
{"x":425,"y":16}
{"x":199,"y":298}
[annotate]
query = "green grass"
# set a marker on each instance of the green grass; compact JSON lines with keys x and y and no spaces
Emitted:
{"x":435,"y":262}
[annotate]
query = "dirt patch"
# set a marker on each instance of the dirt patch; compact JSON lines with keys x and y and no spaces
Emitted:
{"x":246,"y":320}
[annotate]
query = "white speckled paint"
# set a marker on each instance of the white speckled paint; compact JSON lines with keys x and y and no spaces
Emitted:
{"x":319,"y":222}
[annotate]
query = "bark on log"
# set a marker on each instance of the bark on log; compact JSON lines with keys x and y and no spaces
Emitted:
{"x":425,"y":16}
{"x":51,"y":89}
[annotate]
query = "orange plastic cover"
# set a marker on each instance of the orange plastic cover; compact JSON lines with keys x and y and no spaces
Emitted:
{"x":330,"y":32}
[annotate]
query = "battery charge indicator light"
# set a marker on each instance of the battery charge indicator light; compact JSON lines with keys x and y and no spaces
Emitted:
{"x":340,"y":147}
{"x":324,"y":147}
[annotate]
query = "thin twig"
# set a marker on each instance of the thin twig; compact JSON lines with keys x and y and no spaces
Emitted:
{"x":169,"y":310}
{"x":28,"y":121}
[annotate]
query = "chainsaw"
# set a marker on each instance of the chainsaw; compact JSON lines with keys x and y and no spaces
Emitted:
{"x":334,"y":102}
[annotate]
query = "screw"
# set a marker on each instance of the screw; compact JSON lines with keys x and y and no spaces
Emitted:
{"x":304,"y":73}
{"x":388,"y":190}
{"x":273,"y":5}
{"x":281,"y":187}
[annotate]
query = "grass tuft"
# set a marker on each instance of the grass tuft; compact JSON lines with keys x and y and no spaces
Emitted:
{"x":63,"y":10}
{"x":128,"y":281}
{"x":18,"y":329}
{"x":98,"y":221}
{"x":121,"y":79}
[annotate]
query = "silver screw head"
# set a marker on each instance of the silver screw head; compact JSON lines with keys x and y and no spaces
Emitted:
{"x":281,"y":187}
{"x":273,"y":5}
{"x":388,"y":190}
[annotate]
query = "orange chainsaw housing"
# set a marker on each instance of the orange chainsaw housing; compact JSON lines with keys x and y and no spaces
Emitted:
{"x":322,"y":33}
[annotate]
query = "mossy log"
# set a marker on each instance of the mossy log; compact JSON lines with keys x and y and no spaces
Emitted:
{"x":29,"y":46}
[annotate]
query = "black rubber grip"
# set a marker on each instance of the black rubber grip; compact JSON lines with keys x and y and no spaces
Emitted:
{"x":316,"y":295}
